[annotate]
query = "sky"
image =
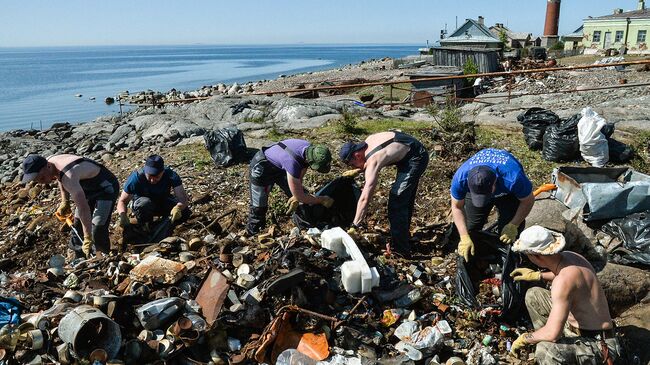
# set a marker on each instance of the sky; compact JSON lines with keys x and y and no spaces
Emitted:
{"x":34,"y":23}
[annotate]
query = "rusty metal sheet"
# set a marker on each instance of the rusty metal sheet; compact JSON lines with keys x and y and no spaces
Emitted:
{"x":158,"y":270}
{"x":212,"y":294}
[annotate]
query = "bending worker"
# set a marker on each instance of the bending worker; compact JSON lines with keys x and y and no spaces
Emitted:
{"x":376,"y":152}
{"x":92,"y":188}
{"x":490,"y":178}
{"x":150,"y":188}
{"x":572,"y":321}
{"x":285,"y":164}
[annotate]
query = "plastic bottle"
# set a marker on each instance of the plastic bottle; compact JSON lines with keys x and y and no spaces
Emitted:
{"x":293,"y":357}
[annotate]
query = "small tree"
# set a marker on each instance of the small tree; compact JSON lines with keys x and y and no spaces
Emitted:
{"x":470,"y":68}
{"x":503,"y":37}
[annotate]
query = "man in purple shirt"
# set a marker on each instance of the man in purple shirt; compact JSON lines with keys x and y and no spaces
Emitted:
{"x":284,"y":163}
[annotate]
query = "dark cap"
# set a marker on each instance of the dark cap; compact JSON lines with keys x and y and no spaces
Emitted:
{"x":345,"y":154}
{"x":154,"y":165}
{"x":32,"y":165}
{"x":480,"y":181}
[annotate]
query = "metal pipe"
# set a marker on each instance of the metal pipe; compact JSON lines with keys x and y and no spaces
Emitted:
{"x":425,"y":79}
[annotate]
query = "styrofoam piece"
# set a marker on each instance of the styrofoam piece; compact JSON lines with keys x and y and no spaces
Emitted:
{"x":337,"y":240}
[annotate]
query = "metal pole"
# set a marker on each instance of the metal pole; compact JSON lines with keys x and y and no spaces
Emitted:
{"x":509,"y":88}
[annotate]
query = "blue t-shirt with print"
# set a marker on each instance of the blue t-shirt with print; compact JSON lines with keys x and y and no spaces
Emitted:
{"x":511,"y":178}
{"x":138,"y":185}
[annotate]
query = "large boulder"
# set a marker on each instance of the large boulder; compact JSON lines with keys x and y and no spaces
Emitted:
{"x":634,"y":323}
{"x":624,"y":286}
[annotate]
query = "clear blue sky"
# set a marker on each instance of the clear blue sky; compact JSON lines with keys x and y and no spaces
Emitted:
{"x":145,"y":22}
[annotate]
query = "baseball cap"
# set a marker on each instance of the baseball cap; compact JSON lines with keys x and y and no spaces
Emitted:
{"x":539,"y":241}
{"x":154,"y":165}
{"x":319,"y":158}
{"x":32,"y":166}
{"x":480,"y":181}
{"x":345,"y":154}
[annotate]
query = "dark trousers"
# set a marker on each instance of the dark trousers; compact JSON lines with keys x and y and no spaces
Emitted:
{"x":401,"y":199}
{"x":101,"y":211}
{"x":475,"y":218}
{"x":145,"y":209}
{"x":263,"y":176}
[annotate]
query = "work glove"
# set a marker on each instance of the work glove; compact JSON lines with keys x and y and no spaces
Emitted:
{"x":525,"y":274}
{"x":466,"y":247}
{"x":124,"y":220}
{"x":353,"y":232}
{"x":64,"y":208}
{"x":176,"y":213}
{"x":327,"y":202}
{"x":520,"y":342}
{"x":87,"y":245}
{"x":351,"y":173}
{"x":292,"y":205}
{"x":509,"y":233}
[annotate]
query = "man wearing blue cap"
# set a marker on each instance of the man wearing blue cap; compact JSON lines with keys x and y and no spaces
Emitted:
{"x":376,"y":152}
{"x":90,"y":185}
{"x":490,"y":178}
{"x":150,"y":188}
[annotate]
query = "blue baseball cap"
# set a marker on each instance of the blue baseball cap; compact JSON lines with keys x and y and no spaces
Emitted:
{"x":480,"y":181}
{"x":154,"y":165}
{"x":32,"y":165}
{"x":345,"y":154}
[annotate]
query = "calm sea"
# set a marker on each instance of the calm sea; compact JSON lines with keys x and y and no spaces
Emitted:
{"x":38,"y":85}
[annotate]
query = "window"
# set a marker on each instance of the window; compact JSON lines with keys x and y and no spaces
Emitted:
{"x":619,"y":36}
{"x":640,"y":36}
{"x":596,"y":36}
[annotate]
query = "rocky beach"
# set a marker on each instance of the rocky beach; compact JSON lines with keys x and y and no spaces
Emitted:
{"x":174,"y":128}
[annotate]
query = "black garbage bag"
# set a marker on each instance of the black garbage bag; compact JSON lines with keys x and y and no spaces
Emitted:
{"x":345,"y":193}
{"x":491,"y":253}
{"x":534,"y":122}
{"x":226,"y":146}
{"x":561,"y":141}
{"x":619,"y":152}
{"x":634,"y":232}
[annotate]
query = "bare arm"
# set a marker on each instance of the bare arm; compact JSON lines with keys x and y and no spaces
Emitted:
{"x":459,"y":215}
{"x":371,"y":172}
{"x":79,"y":198}
{"x":64,"y":194}
{"x":560,"y":306}
{"x":548,"y":276}
{"x":181,"y":196}
{"x":123,"y":201}
{"x":298,"y":191}
{"x":525,"y":205}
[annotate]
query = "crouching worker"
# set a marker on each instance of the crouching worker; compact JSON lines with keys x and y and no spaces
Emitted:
{"x":371,"y":156}
{"x":572,"y":321}
{"x":285,"y":164}
{"x":150,"y":190}
{"x":92,"y":188}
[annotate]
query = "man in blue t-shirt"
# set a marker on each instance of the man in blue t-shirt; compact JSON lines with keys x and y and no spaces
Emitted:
{"x":490,"y":178}
{"x":150,"y":189}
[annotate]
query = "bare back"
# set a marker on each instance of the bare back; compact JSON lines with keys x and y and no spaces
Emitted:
{"x":588,"y":307}
{"x":81,"y":171}
{"x":388,"y":155}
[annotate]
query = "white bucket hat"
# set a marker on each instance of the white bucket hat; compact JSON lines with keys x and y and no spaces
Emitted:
{"x":538,"y":240}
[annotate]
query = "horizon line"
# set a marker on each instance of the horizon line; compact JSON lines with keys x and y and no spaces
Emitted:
{"x":216,"y":44}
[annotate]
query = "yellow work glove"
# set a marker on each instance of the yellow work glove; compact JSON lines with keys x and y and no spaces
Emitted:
{"x":292,"y":205}
{"x":351,"y":173}
{"x":176,"y":213}
{"x":327,"y":202}
{"x":87,"y":245}
{"x":525,"y":274}
{"x":64,"y":208}
{"x":520,"y":342}
{"x":466,"y":247}
{"x":509,"y":233}
{"x":352,"y":232}
{"x":124,"y":220}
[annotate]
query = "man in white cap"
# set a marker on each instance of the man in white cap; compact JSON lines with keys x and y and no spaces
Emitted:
{"x":572,"y":321}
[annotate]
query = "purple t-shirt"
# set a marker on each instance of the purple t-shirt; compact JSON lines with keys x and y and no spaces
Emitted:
{"x":284,"y":160}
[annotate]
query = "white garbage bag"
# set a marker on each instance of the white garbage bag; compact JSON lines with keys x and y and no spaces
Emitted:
{"x":593,"y":144}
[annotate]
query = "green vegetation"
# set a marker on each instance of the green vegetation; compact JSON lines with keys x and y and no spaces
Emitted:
{"x":559,"y":46}
{"x":370,"y":126}
{"x":195,"y":154}
{"x":470,"y":68}
{"x":256,"y":120}
{"x":275,"y":134}
{"x":348,"y":123}
{"x":503,"y":37}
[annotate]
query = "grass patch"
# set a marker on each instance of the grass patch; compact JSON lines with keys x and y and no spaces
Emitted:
{"x":196,"y":154}
{"x":370,"y":126}
{"x":275,"y":134}
{"x":256,"y":120}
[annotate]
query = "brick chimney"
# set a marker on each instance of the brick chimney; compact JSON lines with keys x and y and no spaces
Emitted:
{"x":481,"y":20}
{"x":618,"y":11}
{"x":641,"y":5}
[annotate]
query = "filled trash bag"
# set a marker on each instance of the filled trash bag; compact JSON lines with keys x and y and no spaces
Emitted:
{"x":345,"y":193}
{"x":634,"y":232}
{"x":491,"y":254}
{"x":534,"y":122}
{"x":226,"y":146}
{"x":10,"y":310}
{"x":593,"y":143}
{"x":561,"y":141}
{"x":619,"y":152}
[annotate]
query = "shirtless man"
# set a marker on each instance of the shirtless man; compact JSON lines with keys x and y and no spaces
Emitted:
{"x":572,"y":321}
{"x":376,"y":152}
{"x":92,"y":187}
